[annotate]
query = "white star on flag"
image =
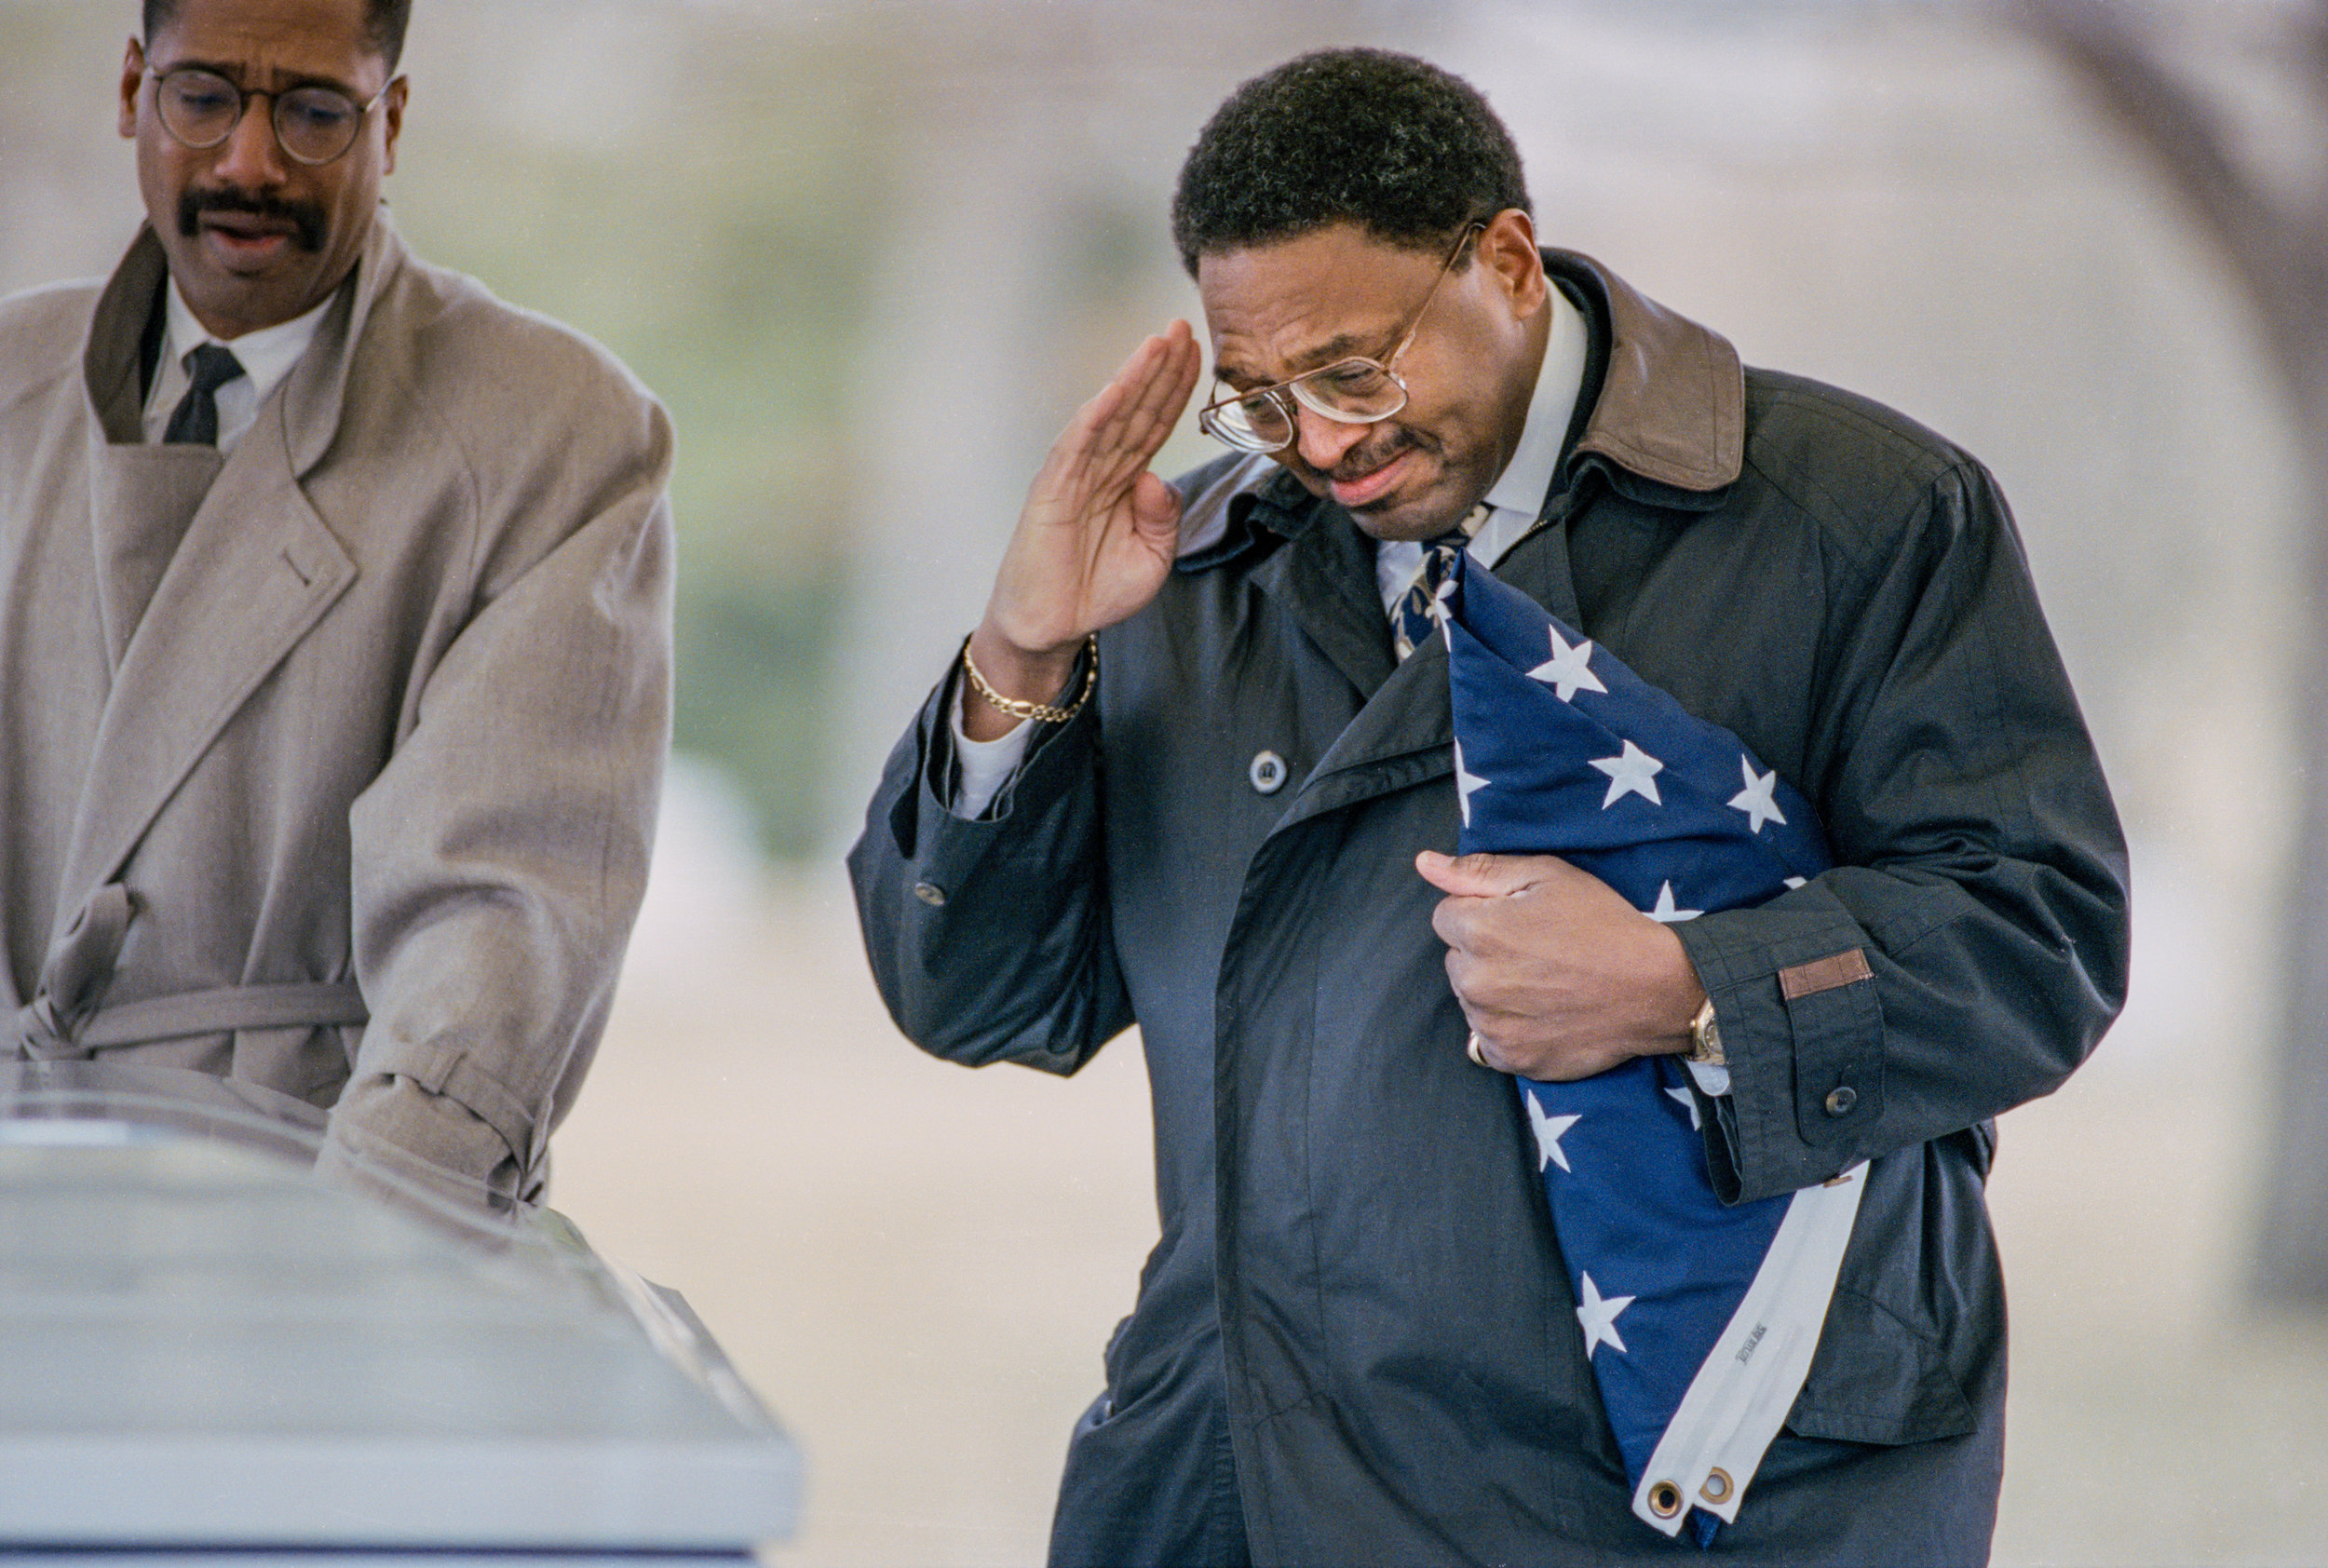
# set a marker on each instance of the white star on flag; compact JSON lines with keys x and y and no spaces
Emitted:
{"x":1599,"y":1317}
{"x":1665,"y":914}
{"x":1548,"y":1133}
{"x":1568,"y":672}
{"x":1759,"y":799}
{"x":1689,"y":1103}
{"x":1633,"y":772}
{"x":1466,"y":783}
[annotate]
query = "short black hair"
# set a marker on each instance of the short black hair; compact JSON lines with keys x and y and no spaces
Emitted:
{"x":384,"y":22}
{"x":1405,"y":150}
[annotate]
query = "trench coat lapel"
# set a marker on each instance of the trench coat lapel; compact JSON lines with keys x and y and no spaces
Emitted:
{"x":1404,"y":734}
{"x":255,"y":572}
{"x":1325,"y":578}
{"x":1538,"y":567}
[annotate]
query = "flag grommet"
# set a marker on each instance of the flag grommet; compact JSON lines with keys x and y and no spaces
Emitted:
{"x":1665,"y":1499}
{"x":1717,"y":1486}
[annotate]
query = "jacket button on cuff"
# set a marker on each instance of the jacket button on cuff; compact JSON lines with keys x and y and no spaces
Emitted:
{"x":1267,"y":772}
{"x":929,"y":893}
{"x":1839,"y":1102}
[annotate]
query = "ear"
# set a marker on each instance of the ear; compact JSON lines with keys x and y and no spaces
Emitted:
{"x":392,"y":109}
{"x":132,"y":83}
{"x":1506,"y":247}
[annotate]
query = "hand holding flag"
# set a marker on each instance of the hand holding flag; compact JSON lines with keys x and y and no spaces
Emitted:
{"x":1558,"y":974}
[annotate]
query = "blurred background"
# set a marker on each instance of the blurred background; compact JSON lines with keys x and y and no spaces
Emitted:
{"x":872,"y":254}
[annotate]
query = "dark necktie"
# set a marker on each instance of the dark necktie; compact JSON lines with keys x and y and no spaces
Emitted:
{"x":1416,"y":616}
{"x":195,"y":420}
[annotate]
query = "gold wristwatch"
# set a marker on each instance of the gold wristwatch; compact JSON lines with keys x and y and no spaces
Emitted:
{"x":1705,"y":1039}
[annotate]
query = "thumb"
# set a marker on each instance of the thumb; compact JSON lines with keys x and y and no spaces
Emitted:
{"x":1479,"y":876}
{"x":1155,"y":508}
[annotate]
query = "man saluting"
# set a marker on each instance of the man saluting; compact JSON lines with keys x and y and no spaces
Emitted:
{"x":1194,"y":773}
{"x":334,"y":633}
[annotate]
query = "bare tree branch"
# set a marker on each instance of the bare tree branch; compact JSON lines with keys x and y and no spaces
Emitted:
{"x":2274,"y":250}
{"x":2311,"y":33}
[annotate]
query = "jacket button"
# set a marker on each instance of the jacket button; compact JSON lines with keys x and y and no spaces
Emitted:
{"x":1839,"y":1102}
{"x":1267,"y":772}
{"x":930,"y":894}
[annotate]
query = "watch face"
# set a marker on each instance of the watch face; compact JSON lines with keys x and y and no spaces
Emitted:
{"x":1705,"y":1037}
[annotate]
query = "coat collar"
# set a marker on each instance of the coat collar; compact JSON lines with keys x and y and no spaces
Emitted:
{"x":309,"y":410}
{"x":318,"y":390}
{"x":1671,"y":407}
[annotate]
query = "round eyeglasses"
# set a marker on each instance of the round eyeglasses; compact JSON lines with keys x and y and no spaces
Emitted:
{"x":313,"y":125}
{"x":1353,"y":391}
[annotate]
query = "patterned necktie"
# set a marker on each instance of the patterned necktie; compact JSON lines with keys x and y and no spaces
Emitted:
{"x":195,"y":420}
{"x":1416,"y":616}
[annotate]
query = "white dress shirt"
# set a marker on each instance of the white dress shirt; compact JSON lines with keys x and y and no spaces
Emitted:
{"x":266,"y":356}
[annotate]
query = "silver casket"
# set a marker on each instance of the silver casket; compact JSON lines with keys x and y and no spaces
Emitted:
{"x":204,"y":1352}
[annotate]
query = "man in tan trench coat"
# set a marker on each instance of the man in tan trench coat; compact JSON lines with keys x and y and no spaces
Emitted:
{"x":334,"y":676}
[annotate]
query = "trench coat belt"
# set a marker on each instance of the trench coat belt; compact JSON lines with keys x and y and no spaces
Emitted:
{"x":64,"y":1022}
{"x":42,"y":1037}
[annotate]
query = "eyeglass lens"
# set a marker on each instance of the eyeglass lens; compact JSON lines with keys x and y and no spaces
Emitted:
{"x":201,"y":109}
{"x":1353,"y":391}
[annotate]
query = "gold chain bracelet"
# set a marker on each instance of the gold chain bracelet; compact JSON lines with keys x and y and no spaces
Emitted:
{"x":1019,"y":709}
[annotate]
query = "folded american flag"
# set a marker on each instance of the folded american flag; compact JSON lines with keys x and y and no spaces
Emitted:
{"x":1699,"y":1318}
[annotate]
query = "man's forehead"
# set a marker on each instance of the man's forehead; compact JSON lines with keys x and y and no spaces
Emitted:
{"x":1280,"y":309}
{"x":287,"y":40}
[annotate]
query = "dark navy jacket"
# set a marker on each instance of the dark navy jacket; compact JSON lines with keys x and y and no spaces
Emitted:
{"x":1355,"y":1325}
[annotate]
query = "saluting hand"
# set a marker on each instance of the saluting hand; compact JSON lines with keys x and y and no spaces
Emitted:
{"x":1097,"y":535}
{"x":1559,"y":976}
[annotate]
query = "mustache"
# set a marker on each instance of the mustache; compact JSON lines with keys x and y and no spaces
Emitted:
{"x":1367,"y":456}
{"x":306,"y":218}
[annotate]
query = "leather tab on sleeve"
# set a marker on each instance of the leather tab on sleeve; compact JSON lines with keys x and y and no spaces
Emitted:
{"x":1824,"y":973}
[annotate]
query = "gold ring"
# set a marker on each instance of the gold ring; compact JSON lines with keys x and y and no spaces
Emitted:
{"x":1471,"y":1050}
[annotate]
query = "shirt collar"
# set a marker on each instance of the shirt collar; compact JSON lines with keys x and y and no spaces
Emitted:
{"x":1516,"y":500}
{"x":1559,"y":381}
{"x":266,"y":355}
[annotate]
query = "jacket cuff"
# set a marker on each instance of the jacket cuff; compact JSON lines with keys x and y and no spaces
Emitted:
{"x":1802,"y":1029}
{"x":388,"y":1130}
{"x":1058,"y":760}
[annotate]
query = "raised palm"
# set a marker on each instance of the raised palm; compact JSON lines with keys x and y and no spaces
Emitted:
{"x":1099,"y":530}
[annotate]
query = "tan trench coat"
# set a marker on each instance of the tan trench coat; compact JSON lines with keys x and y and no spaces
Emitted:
{"x":330,"y":766}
